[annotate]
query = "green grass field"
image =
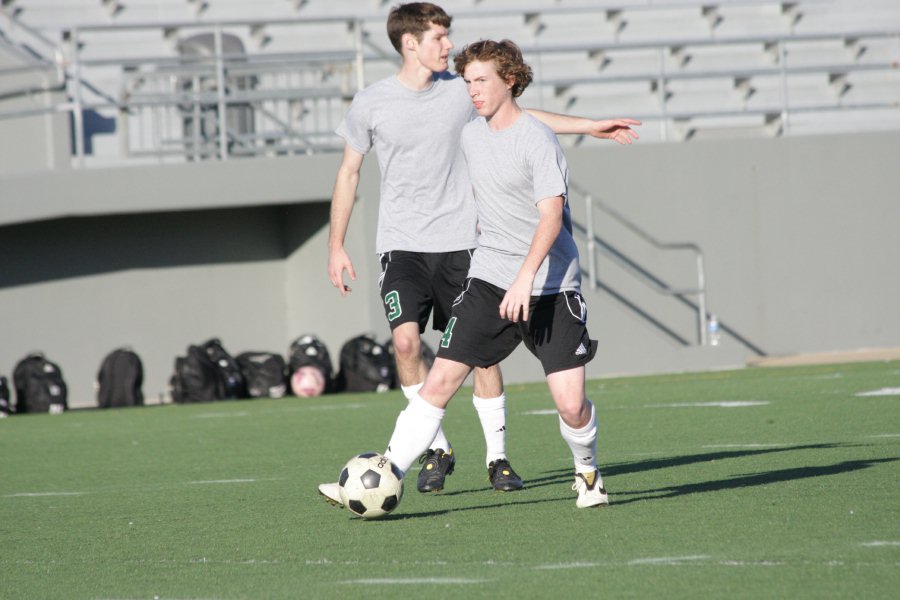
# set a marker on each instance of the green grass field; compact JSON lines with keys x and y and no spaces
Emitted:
{"x":759,"y":483}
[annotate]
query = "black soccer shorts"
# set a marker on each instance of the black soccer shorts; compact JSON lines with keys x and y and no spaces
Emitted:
{"x":413,"y":284}
{"x":556,"y":330}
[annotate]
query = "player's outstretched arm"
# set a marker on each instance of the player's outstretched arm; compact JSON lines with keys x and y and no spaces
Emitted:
{"x":342,"y":197}
{"x":618,"y":130}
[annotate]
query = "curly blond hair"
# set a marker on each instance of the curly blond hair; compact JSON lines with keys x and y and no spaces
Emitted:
{"x":507,"y":59}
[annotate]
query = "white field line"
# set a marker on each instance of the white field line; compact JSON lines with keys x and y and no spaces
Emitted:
{"x":414,"y":581}
{"x":880,"y":543}
{"x":295,"y":408}
{"x":885,"y":435}
{"x":663,"y":561}
{"x":700,"y":560}
{"x":334,"y":406}
{"x":757,"y":563}
{"x":221,"y":415}
{"x":572,"y":565}
{"x":721,"y":404}
{"x":43,"y":494}
{"x":213,"y":481}
{"x":666,"y":560}
{"x":307,"y":407}
{"x":656,"y":560}
{"x":198,"y":482}
{"x":881,"y":392}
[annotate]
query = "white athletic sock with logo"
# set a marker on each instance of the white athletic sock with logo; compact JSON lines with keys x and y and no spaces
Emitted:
{"x":583,"y":443}
{"x":492,"y":413}
{"x":440,"y":440}
{"x":415,"y":428}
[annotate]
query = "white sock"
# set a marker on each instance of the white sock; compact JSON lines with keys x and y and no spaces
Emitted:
{"x":492,"y":413}
{"x":440,"y":440}
{"x":583,"y":443}
{"x":416,"y":426}
{"x":411,"y":390}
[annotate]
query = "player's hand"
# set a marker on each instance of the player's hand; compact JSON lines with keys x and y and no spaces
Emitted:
{"x":338,"y":262}
{"x":617,"y":130}
{"x":516,"y":301}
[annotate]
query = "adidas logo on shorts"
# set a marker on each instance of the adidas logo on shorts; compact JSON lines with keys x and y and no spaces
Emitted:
{"x":580,"y":350}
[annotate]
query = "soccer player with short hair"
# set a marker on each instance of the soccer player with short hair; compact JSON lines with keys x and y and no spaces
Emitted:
{"x":427,"y":224}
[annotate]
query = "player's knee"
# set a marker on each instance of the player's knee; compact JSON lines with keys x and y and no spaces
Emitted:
{"x":574,"y":414}
{"x":406,"y":346}
{"x":441,"y":383}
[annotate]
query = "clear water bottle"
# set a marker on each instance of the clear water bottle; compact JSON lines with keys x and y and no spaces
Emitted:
{"x":714,"y":333}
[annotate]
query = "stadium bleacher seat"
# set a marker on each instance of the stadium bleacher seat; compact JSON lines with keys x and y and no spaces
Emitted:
{"x":689,"y":62}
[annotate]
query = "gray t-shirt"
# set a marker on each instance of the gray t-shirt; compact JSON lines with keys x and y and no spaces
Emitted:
{"x":426,"y":198}
{"x":512,"y":170}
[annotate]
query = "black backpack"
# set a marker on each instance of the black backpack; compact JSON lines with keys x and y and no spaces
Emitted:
{"x":5,"y":406}
{"x":229,"y":373}
{"x":196,"y":378}
{"x":40,"y":386}
{"x":366,"y":366}
{"x":120,"y":380}
{"x":309,"y":351}
{"x":263,"y":374}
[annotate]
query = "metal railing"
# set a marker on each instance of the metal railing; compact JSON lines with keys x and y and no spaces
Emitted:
{"x":191,"y":108}
{"x":187,"y":105}
{"x":596,"y":245}
{"x":777,"y":47}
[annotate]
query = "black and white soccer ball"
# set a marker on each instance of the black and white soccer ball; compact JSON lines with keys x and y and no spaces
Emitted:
{"x":370,"y":485}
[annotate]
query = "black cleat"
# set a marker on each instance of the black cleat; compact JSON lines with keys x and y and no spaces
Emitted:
{"x":438,"y":464}
{"x":502,"y":476}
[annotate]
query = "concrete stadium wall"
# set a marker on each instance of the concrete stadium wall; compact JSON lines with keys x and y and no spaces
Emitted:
{"x":800,"y":238}
{"x":159,"y":257}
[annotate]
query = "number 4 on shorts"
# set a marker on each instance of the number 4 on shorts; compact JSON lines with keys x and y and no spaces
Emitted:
{"x":448,"y":333}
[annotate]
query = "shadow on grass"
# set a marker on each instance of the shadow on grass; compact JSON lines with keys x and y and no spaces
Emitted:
{"x":755,"y":479}
{"x":565,"y":476}
{"x":689,"y":459}
{"x":613,"y":469}
{"x":511,"y":502}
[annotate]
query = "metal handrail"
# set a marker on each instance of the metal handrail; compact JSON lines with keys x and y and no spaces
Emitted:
{"x":739,"y":73}
{"x":591,"y":203}
{"x":361,"y":53}
{"x":609,"y":9}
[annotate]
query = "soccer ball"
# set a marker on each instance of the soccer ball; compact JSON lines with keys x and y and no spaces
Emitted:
{"x":370,"y":485}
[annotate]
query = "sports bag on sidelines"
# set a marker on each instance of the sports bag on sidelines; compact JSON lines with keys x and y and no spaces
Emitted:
{"x":229,"y":373}
{"x":5,"y":406}
{"x":309,"y":367}
{"x":196,"y":378}
{"x":120,"y":379}
{"x":40,"y":386}
{"x":366,"y":366}
{"x":264,"y":374}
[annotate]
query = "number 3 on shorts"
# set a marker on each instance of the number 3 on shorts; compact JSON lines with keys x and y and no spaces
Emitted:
{"x":448,"y":333}
{"x":392,"y":301}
